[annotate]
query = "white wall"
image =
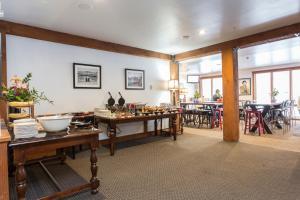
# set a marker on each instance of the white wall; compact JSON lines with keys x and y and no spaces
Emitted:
{"x":52,"y":70}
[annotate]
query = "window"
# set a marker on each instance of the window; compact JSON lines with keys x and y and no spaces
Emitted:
{"x":209,"y":85}
{"x":206,"y":88}
{"x":295,"y":85}
{"x":263,"y":87}
{"x":217,"y":84}
{"x":286,"y":81}
{"x":281,"y":82}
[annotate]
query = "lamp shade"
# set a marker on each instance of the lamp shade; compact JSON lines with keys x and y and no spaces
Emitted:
{"x":173,"y":84}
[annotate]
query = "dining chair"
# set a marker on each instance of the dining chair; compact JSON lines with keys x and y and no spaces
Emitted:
{"x":255,"y":116}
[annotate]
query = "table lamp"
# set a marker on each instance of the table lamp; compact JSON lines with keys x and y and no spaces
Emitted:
{"x":173,"y":86}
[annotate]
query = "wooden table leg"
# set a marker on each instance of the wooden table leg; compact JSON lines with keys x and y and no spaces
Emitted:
{"x":174,"y":127}
{"x":161,"y":126}
{"x":94,"y":180}
{"x":20,"y":175}
{"x":155,"y":127}
{"x":112,"y":135}
{"x":170,"y":126}
{"x":181,"y":123}
{"x":62,"y":155}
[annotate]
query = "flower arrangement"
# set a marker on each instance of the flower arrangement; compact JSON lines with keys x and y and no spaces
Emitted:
{"x":19,"y":91}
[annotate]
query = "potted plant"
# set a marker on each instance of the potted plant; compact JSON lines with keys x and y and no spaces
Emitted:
{"x":274,"y":93}
{"x":196,"y":96}
{"x":20,"y":94}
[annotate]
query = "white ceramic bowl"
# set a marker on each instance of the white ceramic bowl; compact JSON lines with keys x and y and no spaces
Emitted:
{"x":55,"y":123}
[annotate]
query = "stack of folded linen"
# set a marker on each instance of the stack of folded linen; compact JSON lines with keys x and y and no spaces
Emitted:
{"x":25,"y":128}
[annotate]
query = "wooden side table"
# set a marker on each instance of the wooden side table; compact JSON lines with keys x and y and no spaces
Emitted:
{"x":23,"y":148}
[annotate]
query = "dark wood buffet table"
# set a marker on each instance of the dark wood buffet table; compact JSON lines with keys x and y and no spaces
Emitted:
{"x":23,"y":148}
{"x":113,"y":121}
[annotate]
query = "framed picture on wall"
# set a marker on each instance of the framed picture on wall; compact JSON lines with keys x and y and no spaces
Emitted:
{"x":192,"y":78}
{"x":86,"y":76}
{"x":134,"y":79}
{"x":244,"y":86}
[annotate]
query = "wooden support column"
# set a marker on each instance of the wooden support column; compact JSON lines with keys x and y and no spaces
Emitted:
{"x":230,"y":95}
{"x":3,"y":109}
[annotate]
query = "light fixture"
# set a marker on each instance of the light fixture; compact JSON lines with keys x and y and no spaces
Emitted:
{"x":202,"y":32}
{"x":85,"y":4}
{"x":173,"y":86}
{"x":185,"y":37}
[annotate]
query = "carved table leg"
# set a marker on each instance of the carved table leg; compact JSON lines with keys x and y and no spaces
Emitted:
{"x":161,"y":126}
{"x":170,"y":126}
{"x":181,"y":124}
{"x":94,"y":180}
{"x":155,"y":127}
{"x":20,"y":176}
{"x":62,"y":155}
{"x":112,"y":135}
{"x":174,"y":127}
{"x":145,"y":126}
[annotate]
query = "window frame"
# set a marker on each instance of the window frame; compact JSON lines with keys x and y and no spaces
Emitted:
{"x":211,"y":83}
{"x":271,"y":71}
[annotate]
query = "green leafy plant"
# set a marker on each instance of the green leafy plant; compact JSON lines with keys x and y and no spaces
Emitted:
{"x":19,"y":91}
{"x":218,"y":93}
{"x":274,"y":93}
{"x":196,"y":94}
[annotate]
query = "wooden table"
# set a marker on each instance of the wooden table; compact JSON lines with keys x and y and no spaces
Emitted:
{"x":266,"y":109}
{"x":209,"y":103}
{"x":23,"y":148}
{"x":113,"y":121}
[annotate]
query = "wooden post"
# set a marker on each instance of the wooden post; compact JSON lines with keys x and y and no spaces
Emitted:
{"x":230,"y":95}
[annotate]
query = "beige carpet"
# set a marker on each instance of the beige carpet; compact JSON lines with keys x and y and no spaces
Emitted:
{"x":195,"y":167}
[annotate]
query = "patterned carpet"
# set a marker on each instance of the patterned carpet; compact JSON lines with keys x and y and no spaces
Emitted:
{"x":195,"y":167}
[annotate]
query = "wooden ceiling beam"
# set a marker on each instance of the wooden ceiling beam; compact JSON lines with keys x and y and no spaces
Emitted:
{"x":251,"y":40}
{"x":65,"y":38}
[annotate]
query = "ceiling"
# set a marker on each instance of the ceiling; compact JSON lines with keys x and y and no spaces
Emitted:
{"x":281,"y":53}
{"x":157,"y":25}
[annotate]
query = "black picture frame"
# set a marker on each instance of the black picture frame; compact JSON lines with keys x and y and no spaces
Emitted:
{"x":188,"y":78}
{"x":127,"y":82}
{"x":93,"y":69}
{"x":240,"y":84}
